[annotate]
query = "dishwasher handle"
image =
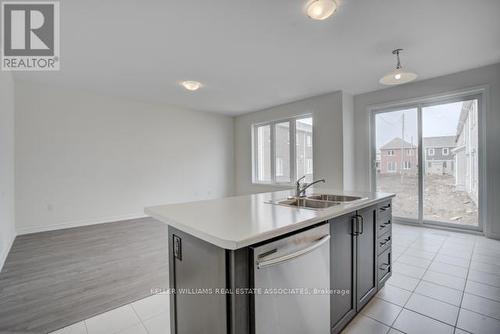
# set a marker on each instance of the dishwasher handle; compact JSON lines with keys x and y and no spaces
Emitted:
{"x":290,"y":256}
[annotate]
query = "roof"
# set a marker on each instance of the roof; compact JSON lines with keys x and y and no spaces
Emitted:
{"x":443,"y":141}
{"x":464,"y":113}
{"x":397,"y":143}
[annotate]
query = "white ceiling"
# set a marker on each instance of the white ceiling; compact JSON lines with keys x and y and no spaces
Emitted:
{"x":252,"y":54}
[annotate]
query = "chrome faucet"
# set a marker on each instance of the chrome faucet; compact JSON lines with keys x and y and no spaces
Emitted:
{"x":300,"y":188}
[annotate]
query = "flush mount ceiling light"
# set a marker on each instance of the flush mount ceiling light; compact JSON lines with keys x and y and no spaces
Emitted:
{"x":398,"y":76}
{"x":191,"y":85}
{"x":320,"y":9}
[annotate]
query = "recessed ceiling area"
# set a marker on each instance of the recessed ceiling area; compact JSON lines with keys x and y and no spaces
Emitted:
{"x":250,"y":55}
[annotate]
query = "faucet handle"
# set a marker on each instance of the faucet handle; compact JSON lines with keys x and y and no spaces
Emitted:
{"x":300,"y":179}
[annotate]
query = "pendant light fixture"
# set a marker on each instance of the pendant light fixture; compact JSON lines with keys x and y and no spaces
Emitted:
{"x":398,"y":76}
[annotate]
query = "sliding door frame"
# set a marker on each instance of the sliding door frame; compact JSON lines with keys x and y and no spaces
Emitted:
{"x":482,"y":95}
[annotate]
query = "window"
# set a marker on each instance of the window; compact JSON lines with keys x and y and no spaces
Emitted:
{"x":309,"y":141}
{"x":390,"y":152}
{"x":309,"y":166}
{"x":263,"y":153}
{"x":430,"y":152}
{"x":283,"y":150}
{"x":279,"y":167}
{"x":409,"y":152}
{"x":446,"y":151}
{"x":406,"y":165}
{"x":392,"y":166}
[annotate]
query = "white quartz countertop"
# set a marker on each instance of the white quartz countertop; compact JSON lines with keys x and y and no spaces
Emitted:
{"x":240,"y":221}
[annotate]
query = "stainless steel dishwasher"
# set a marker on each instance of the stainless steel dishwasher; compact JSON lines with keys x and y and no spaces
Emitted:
{"x":292,"y":280}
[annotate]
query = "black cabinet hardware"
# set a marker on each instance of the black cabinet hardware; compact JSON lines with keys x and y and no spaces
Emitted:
{"x":177,"y":247}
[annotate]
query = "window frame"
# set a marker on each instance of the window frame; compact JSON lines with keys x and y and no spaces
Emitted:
{"x":447,"y":151}
{"x":431,"y":151}
{"x":293,"y":149}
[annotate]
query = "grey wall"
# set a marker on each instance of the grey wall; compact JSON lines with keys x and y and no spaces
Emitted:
{"x":348,"y":141}
{"x":327,"y":113}
{"x":489,"y":75}
{"x":7,"y":228}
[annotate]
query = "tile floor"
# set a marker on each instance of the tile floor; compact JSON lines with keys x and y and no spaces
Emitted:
{"x":146,"y":316}
{"x":443,"y":282}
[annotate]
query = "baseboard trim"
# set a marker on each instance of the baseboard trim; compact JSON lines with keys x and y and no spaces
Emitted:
{"x":78,"y":223}
{"x":493,"y":235}
{"x":3,"y":256}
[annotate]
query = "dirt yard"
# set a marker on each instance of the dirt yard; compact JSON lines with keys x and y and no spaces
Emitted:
{"x":441,"y":201}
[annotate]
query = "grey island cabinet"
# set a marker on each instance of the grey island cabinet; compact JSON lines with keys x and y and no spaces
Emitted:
{"x":257,"y":264}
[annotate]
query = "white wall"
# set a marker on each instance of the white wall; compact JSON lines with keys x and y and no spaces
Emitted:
{"x":489,"y":75}
{"x":7,"y":228}
{"x":83,"y":158}
{"x":327,"y":140}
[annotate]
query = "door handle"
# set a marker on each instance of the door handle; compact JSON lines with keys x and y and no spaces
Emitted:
{"x":361,"y":221}
{"x":290,"y":256}
{"x":354,"y":225}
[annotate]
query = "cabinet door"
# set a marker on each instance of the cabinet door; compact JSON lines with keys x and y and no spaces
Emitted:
{"x":196,"y":264}
{"x":342,"y":272}
{"x":366,"y":264}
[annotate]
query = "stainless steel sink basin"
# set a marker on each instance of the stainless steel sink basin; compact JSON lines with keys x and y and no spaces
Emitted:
{"x":333,"y":198}
{"x":308,"y":203}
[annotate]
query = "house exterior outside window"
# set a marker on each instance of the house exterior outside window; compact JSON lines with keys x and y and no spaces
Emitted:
{"x":439,"y":157}
{"x":283,"y":150}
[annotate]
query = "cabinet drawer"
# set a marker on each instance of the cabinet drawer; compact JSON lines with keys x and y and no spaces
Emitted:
{"x":384,"y":267}
{"x":384,"y":242}
{"x":384,"y":226}
{"x":384,"y":210}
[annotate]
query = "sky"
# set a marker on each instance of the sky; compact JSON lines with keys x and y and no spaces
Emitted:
{"x":439,"y":120}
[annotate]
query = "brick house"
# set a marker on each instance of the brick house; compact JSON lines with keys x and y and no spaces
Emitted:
{"x":398,"y":155}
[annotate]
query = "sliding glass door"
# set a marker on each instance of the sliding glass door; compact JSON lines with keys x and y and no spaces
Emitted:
{"x":428,"y":154}
{"x":397,"y":159}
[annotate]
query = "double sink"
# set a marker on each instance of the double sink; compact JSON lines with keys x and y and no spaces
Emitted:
{"x":317,"y":202}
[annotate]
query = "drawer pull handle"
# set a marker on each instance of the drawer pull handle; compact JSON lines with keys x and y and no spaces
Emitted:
{"x":382,"y":243}
{"x":385,"y":224}
{"x":384,"y":266}
{"x":384,"y":208}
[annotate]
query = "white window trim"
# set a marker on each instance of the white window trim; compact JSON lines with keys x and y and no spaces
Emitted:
{"x":293,"y":150}
{"x":431,"y":152}
{"x":394,"y":164}
{"x":447,"y":151}
{"x":390,"y":153}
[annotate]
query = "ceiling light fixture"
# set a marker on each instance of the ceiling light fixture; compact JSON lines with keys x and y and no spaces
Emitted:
{"x":191,"y":85}
{"x":320,"y":9}
{"x":398,"y":76}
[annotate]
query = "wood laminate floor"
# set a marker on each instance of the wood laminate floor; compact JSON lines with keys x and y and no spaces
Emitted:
{"x":53,"y":279}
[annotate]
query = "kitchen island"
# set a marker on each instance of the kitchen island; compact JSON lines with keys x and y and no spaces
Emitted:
{"x":260,"y":264}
